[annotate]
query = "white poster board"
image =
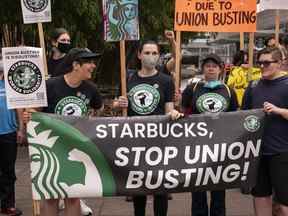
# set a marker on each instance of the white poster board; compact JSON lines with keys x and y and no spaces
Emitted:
{"x":273,"y":5}
{"x":24,"y":77}
{"x":36,"y":11}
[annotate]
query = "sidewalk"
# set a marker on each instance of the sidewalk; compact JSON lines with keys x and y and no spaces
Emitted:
{"x":237,"y":204}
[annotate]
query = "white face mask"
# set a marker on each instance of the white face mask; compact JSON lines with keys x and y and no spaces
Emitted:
{"x":150,"y":61}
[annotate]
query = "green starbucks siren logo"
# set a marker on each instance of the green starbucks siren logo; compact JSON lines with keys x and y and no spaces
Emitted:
{"x":73,"y":106}
{"x":24,"y":77}
{"x":36,"y":5}
{"x":211,"y":103}
{"x":252,"y":123}
{"x":144,"y":99}
{"x":64,"y":162}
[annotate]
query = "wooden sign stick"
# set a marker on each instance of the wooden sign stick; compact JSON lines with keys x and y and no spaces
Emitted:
{"x":123,"y":72}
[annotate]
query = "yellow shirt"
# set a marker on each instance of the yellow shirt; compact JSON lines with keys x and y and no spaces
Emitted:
{"x":239,"y":79}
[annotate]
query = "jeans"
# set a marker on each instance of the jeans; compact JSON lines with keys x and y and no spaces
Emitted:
{"x":8,"y":154}
{"x":160,"y":205}
{"x":200,"y":206}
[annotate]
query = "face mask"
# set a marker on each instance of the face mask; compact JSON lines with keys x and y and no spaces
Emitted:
{"x":64,"y":47}
{"x":150,"y":61}
{"x":212,"y":84}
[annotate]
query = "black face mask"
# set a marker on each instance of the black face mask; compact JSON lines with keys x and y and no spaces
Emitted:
{"x":64,"y":47}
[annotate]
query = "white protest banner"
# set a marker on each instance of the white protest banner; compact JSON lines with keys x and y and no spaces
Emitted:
{"x":24,"y":77}
{"x":273,"y":5}
{"x":36,"y":11}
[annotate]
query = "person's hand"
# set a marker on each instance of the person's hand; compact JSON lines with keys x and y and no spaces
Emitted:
{"x":27,"y":115}
{"x":174,"y":114}
{"x":121,"y":102}
{"x":169,"y":35}
{"x":270,"y":108}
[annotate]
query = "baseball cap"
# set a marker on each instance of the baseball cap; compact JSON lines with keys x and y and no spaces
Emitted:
{"x":81,"y":53}
{"x":213,"y":57}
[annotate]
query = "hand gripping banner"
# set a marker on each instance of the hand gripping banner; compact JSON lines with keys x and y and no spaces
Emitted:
{"x":81,"y":157}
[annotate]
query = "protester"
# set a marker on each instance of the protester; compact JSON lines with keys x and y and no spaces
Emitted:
{"x":209,"y":96}
{"x":150,"y":92}
{"x":271,"y":93}
{"x":61,"y":44}
{"x":83,"y":96}
{"x":241,"y":74}
{"x":11,"y":133}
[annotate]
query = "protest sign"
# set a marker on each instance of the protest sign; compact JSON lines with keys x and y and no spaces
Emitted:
{"x":120,"y":20}
{"x":215,"y":16}
{"x":24,"y":77}
{"x":36,"y":11}
{"x":80,"y":157}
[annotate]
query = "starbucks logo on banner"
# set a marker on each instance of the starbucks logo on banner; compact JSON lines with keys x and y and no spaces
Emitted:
{"x":144,"y":98}
{"x":71,"y":106}
{"x":36,"y":5}
{"x":24,"y":77}
{"x":212,"y":103}
{"x":252,"y":123}
{"x":61,"y":165}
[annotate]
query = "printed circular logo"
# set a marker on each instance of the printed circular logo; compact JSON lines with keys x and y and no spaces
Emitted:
{"x":212,"y":103}
{"x":252,"y":123}
{"x":24,"y":77}
{"x":71,"y":106}
{"x":144,"y":99}
{"x":36,"y":5}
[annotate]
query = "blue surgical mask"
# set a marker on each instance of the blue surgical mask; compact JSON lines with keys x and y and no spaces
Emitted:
{"x":212,"y":84}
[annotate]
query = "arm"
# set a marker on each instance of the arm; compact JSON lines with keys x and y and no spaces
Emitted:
{"x":170,"y":65}
{"x":272,"y":109}
{"x":187,"y":97}
{"x":21,"y":127}
{"x":169,"y":104}
{"x":247,"y":100}
{"x":233,"y":101}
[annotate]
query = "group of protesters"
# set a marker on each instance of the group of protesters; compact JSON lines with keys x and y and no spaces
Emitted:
{"x":71,"y":70}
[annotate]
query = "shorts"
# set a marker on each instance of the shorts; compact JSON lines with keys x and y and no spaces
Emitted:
{"x":273,"y":177}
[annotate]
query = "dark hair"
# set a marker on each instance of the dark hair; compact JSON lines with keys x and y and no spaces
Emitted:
{"x":140,"y":48}
{"x":275,"y":52}
{"x":143,"y":43}
{"x":57,"y":32}
{"x":239,"y":58}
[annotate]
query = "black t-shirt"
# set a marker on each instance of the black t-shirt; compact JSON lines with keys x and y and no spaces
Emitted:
{"x":148,"y":95}
{"x":200,"y":99}
{"x":54,"y":67}
{"x":275,"y":137}
{"x":65,"y":100}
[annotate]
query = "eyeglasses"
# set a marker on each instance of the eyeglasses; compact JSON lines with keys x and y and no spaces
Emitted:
{"x":265,"y":63}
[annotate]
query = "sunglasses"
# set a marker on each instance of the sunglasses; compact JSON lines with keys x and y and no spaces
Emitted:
{"x":265,"y":63}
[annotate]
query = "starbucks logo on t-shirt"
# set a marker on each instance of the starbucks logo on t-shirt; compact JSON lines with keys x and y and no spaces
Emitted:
{"x":212,"y":103}
{"x":24,"y":77}
{"x":71,"y":106}
{"x":36,"y":5}
{"x":144,"y":99}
